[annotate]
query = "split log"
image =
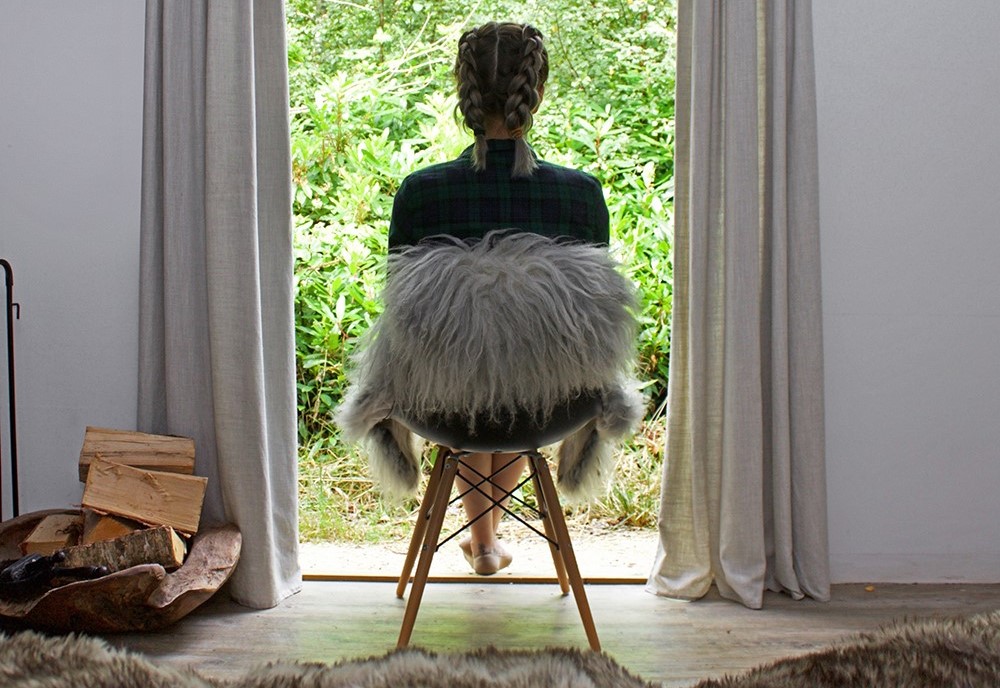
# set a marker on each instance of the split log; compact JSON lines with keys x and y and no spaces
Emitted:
{"x":54,"y":532}
{"x":13,"y":531}
{"x":97,"y":527}
{"x":138,"y":449}
{"x":159,"y":545}
{"x":150,"y":497}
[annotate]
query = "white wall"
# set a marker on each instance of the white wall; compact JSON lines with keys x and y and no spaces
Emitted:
{"x":70,"y":149}
{"x":909,"y":93}
{"x":909,"y":97}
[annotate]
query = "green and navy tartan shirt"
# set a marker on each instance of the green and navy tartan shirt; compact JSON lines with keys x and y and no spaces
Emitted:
{"x":451,"y":198}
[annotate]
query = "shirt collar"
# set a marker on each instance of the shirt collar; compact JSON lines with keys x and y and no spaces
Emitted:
{"x":496,"y":147}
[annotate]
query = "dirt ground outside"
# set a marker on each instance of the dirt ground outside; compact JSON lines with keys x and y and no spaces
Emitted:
{"x":602,"y":551}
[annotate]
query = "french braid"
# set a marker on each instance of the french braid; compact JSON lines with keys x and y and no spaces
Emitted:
{"x":522,"y":99}
{"x":470,"y":96}
{"x":500,"y":69}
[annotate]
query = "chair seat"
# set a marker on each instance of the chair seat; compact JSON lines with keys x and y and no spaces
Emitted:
{"x":510,"y":432}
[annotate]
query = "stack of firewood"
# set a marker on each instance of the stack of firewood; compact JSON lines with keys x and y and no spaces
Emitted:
{"x":140,"y":505}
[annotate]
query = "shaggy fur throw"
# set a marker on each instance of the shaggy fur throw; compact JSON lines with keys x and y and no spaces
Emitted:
{"x":31,"y":660}
{"x":478,"y":330}
{"x":946,"y":652}
{"x":487,"y":668}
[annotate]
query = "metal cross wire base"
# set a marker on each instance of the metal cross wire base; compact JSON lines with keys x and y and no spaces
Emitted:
{"x":426,"y":538}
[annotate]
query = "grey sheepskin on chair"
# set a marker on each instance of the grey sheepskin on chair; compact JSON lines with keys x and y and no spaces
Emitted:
{"x":480,"y":329}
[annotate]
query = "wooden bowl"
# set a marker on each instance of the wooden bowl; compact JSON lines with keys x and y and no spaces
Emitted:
{"x":140,"y":598}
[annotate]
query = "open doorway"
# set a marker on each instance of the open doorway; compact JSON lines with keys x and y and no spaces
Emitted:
{"x":371,"y":101}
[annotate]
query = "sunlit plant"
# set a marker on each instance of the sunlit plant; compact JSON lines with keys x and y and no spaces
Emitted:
{"x":371,"y":100}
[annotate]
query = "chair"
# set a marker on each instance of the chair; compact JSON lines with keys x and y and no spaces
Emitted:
{"x":506,"y":344}
{"x":521,"y":434}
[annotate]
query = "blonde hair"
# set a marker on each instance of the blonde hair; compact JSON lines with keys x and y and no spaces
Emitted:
{"x":499,"y":70}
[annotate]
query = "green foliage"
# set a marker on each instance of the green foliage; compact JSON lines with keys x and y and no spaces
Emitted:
{"x":336,"y":275}
{"x":372,"y":100}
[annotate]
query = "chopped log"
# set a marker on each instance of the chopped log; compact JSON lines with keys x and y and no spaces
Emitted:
{"x":53,"y":533}
{"x":14,"y":530}
{"x":98,"y":527}
{"x":159,"y":545}
{"x":150,"y":497}
{"x":138,"y":449}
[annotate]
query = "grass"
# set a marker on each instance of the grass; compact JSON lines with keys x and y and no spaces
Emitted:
{"x":338,"y":501}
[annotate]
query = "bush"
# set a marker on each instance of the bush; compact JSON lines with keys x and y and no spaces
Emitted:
{"x":372,"y":99}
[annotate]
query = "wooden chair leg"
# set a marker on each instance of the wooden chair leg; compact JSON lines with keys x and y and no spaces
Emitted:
{"x":566,"y":549}
{"x":543,"y":508}
{"x":420,"y":527}
{"x":438,"y":507}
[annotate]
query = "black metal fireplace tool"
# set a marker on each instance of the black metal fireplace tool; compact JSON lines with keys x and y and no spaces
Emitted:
{"x":12,"y":308}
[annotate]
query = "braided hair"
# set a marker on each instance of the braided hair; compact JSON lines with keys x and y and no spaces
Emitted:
{"x":500,"y":70}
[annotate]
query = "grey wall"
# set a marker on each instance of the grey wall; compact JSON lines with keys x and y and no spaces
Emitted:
{"x":909,"y":94}
{"x":70,"y":137}
{"x":910,"y":196}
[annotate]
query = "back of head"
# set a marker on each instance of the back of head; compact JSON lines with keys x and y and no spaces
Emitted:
{"x":500,"y":70}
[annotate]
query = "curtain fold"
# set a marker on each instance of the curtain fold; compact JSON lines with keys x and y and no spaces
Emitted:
{"x":216,"y":332}
{"x":744,"y":496}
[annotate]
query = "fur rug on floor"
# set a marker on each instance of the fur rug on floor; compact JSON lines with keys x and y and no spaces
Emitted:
{"x":962,"y":652}
{"x":949,"y":652}
{"x":31,"y":660}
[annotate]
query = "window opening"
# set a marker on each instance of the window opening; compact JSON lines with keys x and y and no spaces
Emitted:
{"x":372,"y":99}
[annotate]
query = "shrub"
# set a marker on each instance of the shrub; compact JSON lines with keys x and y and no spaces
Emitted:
{"x":372,"y":100}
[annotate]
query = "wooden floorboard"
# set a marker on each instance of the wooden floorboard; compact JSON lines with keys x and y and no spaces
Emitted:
{"x":664,"y":640}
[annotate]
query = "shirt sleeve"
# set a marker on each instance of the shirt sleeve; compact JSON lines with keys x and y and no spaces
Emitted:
{"x":400,"y":232}
{"x":601,"y":228}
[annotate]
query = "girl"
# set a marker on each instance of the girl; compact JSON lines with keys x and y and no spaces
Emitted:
{"x":498,"y":182}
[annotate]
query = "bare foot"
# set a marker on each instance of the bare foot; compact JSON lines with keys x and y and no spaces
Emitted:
{"x":489,"y":560}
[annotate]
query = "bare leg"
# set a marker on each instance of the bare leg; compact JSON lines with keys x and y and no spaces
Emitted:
{"x":481,"y":548}
{"x":475,"y":502}
{"x":506,"y":480}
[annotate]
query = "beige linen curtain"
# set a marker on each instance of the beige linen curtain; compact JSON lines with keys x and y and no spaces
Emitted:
{"x":744,"y":496}
{"x":216,"y":328}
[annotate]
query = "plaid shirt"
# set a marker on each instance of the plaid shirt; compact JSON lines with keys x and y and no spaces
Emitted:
{"x":450,"y":198}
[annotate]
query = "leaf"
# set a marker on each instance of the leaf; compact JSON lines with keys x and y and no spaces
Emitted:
{"x":341,"y":308}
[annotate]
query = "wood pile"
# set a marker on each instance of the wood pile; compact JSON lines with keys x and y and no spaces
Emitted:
{"x":131,"y":557}
{"x":141,"y":504}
